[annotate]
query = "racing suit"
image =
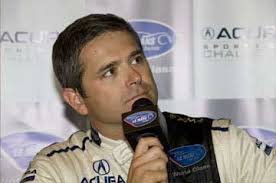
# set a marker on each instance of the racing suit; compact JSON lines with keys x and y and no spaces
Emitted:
{"x":89,"y":157}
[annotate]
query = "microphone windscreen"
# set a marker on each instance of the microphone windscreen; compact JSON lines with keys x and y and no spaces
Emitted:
{"x":140,"y":103}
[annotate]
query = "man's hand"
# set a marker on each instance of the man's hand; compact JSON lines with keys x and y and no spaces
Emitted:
{"x":149,"y":163}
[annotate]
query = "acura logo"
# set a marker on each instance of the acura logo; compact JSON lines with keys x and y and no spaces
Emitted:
{"x":208,"y":33}
{"x":101,"y":167}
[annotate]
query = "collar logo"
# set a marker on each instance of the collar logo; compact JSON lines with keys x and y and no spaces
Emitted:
{"x":101,"y":167}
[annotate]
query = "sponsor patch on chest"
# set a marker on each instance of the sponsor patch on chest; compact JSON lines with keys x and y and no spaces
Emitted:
{"x":186,"y":156}
{"x":103,"y":172}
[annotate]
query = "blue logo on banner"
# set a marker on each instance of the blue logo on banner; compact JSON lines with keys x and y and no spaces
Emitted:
{"x":157,"y":38}
{"x":141,"y":118}
{"x":187,"y":155}
{"x":22,"y":147}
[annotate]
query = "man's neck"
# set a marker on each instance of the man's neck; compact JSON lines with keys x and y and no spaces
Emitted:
{"x":112,"y":131}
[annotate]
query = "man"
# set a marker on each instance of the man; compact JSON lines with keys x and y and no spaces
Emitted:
{"x":100,"y":64}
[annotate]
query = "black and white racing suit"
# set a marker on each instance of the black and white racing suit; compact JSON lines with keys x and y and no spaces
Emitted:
{"x":227,"y":155}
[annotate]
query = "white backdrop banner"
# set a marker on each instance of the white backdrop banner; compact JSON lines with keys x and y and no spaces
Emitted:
{"x":212,"y":58}
{"x":234,"y":54}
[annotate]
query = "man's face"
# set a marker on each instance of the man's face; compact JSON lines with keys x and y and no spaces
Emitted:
{"x":116,"y":74}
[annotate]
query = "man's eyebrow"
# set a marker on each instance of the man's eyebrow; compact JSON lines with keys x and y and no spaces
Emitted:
{"x":106,"y":67}
{"x":134,"y":53}
{"x":115,"y":62}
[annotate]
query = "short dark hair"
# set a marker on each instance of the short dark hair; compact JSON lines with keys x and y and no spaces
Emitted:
{"x":68,"y":46}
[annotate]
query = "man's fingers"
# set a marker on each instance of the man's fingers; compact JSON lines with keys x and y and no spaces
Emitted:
{"x":150,"y":166}
{"x":149,"y":163}
{"x":153,"y":153}
{"x":154,"y":171}
{"x":157,"y":164}
{"x":145,"y":144}
{"x":155,"y":176}
{"x":150,"y":177}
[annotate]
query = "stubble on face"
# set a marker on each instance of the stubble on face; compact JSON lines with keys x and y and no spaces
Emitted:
{"x":109,"y":95}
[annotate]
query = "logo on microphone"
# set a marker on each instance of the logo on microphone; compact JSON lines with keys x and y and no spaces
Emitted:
{"x":101,"y":167}
{"x":156,"y":37}
{"x":141,"y":118}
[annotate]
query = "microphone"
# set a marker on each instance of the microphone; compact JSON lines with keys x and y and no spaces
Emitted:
{"x":143,"y":121}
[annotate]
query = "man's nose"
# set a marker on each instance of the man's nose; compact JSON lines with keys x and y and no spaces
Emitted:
{"x":134,"y":77}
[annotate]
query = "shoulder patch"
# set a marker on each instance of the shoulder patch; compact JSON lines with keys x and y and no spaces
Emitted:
{"x":264,"y":147}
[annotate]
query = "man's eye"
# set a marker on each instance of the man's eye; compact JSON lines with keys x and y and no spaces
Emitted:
{"x":108,"y":73}
{"x":137,"y":60}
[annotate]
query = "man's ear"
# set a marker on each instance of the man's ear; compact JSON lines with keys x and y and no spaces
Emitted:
{"x":75,"y":100}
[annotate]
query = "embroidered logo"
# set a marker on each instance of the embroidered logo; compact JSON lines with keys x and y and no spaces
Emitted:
{"x":101,"y":167}
{"x":264,"y":147}
{"x":187,"y":155}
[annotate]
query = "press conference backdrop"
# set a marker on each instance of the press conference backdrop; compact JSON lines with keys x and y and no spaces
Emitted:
{"x":212,"y":58}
